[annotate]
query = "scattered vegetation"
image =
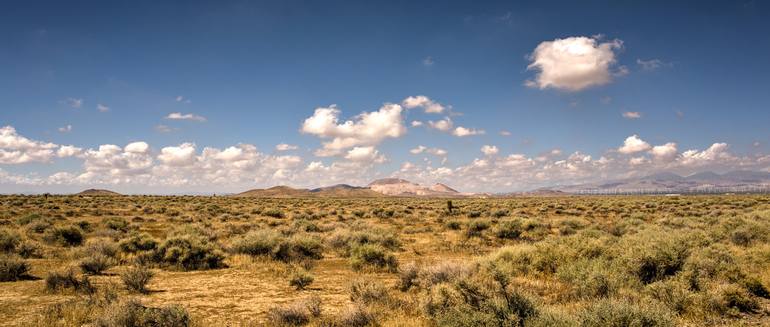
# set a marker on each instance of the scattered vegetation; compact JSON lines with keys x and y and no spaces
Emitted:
{"x":548,"y":261}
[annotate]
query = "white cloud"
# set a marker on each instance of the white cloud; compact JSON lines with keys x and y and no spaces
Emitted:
{"x":285,"y":147}
{"x":489,"y":150}
{"x":633,"y":144}
{"x":573,"y":63}
{"x":74,"y":103}
{"x":428,"y":61}
{"x":182,"y":155}
{"x":68,"y":151}
{"x":367,"y":154}
{"x":65,"y":129}
{"x":137,"y":147}
{"x":434,"y":151}
{"x":665,"y":152}
{"x":366,"y":129}
{"x":102,"y":107}
{"x":462,"y":131}
{"x":632,"y":115}
{"x":416,"y":123}
{"x":17,"y":149}
{"x":505,"y":133}
{"x":443,"y":125}
{"x":180,"y":98}
{"x":181,"y":116}
{"x":424,"y":102}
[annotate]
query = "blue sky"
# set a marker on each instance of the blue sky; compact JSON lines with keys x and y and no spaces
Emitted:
{"x":247,"y":75}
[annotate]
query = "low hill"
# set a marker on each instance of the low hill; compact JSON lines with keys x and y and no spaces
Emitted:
{"x":402,"y":187}
{"x":95,"y":191}
{"x":276,"y":192}
{"x":345,"y":191}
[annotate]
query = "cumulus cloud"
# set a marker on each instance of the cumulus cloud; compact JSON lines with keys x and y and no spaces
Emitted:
{"x":463,"y":131}
{"x":665,"y":152}
{"x":102,"y":107}
{"x":489,"y":150}
{"x":65,"y":129}
{"x":424,"y":102}
{"x":68,"y":151}
{"x":366,"y":129}
{"x":182,"y":155}
{"x":573,"y":63}
{"x":17,"y":149}
{"x":285,"y":147}
{"x":368,"y":154}
{"x":181,"y":116}
{"x":505,"y":133}
{"x":443,"y":125}
{"x":416,"y":123}
{"x":632,"y":115}
{"x":633,"y":144}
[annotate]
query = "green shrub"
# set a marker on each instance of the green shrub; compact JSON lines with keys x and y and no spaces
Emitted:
{"x":131,"y":312}
{"x":190,"y":252}
{"x":29,"y":249}
{"x":454,"y":224}
{"x":96,"y":263}
{"x":256,"y":243}
{"x":116,"y":223}
{"x":372,"y":255}
{"x":482,"y":299}
{"x":12,"y":268}
{"x":64,"y":236}
{"x":138,"y":242}
{"x":275,"y":213}
{"x":9,"y":240}
{"x":509,"y":229}
{"x":272,"y":244}
{"x":754,"y":286}
{"x":476,"y":227}
{"x":729,"y":298}
{"x":617,"y":313}
{"x":136,"y":278}
{"x":56,"y":281}
{"x":657,"y":259}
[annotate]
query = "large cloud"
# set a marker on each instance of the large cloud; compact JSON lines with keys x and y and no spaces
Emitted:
{"x":633,"y":144}
{"x":573,"y":63}
{"x":366,"y":129}
{"x":17,"y":149}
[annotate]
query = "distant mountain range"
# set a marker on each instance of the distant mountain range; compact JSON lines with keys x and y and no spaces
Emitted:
{"x":660,"y":183}
{"x":378,"y":188}
{"x":734,"y":181}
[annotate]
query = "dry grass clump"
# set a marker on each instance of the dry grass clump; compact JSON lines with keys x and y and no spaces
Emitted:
{"x":131,"y":312}
{"x":136,"y":278}
{"x":276,"y":246}
{"x":297,"y":313}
